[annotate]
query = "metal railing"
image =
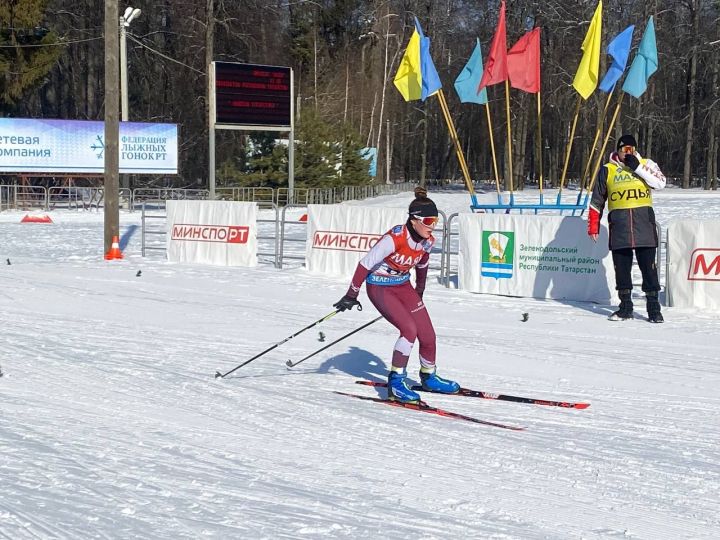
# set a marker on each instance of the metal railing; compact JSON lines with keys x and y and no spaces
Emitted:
{"x":145,"y":231}
{"x":250,"y":194}
{"x":140,"y":195}
{"x":447,"y":250}
{"x":277,"y":263}
{"x":83,"y":198}
{"x":18,"y":196}
{"x":282,"y":239}
{"x":5,"y":197}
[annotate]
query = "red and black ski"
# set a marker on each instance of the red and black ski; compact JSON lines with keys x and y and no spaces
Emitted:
{"x":424,"y":407}
{"x":500,"y":397}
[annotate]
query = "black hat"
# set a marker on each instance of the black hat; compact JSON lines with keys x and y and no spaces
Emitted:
{"x":422,"y":206}
{"x":626,"y":140}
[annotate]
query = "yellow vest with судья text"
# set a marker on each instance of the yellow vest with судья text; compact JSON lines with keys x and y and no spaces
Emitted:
{"x":625,"y":189}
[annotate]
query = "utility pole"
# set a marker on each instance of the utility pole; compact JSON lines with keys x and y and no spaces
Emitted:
{"x":112,"y":123}
{"x":124,"y":178}
{"x":209,"y":53}
{"x":130,"y":14}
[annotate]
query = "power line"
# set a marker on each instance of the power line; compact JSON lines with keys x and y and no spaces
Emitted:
{"x":65,"y":43}
{"x":164,"y":55}
{"x":56,"y":44}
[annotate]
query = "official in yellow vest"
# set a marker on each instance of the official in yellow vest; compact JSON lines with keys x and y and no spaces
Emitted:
{"x":626,"y":183}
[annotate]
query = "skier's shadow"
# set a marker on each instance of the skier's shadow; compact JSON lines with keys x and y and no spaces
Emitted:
{"x":358,"y":363}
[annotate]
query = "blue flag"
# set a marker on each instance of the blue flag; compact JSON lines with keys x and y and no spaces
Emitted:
{"x":370,"y":153}
{"x":468,"y":81}
{"x":430,"y":78}
{"x":644,"y":64}
{"x":619,"y":50}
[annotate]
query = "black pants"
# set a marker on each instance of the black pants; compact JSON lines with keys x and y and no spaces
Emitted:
{"x":622,"y":261}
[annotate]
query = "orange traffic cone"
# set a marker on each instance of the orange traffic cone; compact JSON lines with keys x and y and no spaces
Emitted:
{"x":114,"y":252}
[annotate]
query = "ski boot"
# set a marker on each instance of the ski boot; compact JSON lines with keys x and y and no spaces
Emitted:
{"x":653,"y":307}
{"x":625,"y":312}
{"x":432,"y":383}
{"x":398,"y":389}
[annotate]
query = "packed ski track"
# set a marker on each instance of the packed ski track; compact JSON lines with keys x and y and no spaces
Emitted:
{"x":112,"y":424}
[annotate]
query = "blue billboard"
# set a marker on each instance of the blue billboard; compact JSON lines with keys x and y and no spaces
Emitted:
{"x":77,"y":146}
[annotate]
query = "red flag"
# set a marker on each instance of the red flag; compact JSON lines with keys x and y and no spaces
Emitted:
{"x":496,"y":64}
{"x":523,"y":62}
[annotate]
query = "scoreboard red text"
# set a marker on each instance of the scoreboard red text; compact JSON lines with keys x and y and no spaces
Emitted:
{"x":254,"y":95}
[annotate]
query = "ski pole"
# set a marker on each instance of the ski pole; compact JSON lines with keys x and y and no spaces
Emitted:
{"x":325,"y":318}
{"x":290,"y":363}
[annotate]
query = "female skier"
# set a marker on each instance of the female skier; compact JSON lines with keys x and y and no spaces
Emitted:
{"x":386,"y":268}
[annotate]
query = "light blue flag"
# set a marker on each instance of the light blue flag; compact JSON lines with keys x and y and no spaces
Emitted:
{"x":430,"y":78}
{"x":468,"y":81}
{"x":370,"y":153}
{"x":619,"y":50}
{"x":644,"y":64}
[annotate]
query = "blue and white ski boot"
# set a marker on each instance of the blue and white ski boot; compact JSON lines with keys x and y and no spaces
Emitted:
{"x":432,"y":383}
{"x":398,"y":389}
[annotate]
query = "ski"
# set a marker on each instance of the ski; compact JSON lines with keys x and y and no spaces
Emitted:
{"x":424,"y":407}
{"x":500,"y":397}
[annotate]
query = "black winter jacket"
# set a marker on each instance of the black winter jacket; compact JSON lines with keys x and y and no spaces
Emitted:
{"x":629,"y":227}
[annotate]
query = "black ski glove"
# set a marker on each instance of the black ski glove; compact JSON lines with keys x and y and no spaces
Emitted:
{"x":347,"y":303}
{"x":632,"y":162}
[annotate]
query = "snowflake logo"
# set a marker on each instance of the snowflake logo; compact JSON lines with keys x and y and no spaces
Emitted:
{"x":98,"y":147}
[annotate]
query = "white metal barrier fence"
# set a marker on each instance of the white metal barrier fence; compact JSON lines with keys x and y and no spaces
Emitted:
{"x":21,"y":197}
{"x":274,"y":240}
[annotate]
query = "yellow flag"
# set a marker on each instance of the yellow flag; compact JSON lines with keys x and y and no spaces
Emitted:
{"x":586,"y":78}
{"x":408,"y":79}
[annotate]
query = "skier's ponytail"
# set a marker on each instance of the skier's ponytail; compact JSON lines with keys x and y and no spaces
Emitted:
{"x":422,"y":206}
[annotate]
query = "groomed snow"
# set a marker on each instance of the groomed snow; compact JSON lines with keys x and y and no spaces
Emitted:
{"x":113,"y":426}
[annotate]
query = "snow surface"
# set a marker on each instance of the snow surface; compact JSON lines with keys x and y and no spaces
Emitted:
{"x":113,"y":426}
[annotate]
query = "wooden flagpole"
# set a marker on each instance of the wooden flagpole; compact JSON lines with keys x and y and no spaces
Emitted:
{"x":509,"y":133}
{"x":540,"y":144}
{"x":570,"y":145}
{"x":456,"y":141}
{"x":602,"y":150}
{"x":492,"y":147}
{"x":592,"y":148}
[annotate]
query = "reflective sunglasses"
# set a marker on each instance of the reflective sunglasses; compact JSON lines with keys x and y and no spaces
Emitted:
{"x":427,"y":221}
{"x":627,"y":149}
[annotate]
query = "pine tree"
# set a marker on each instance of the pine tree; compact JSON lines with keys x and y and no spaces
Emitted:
{"x":316,"y":151}
{"x":355,"y":168}
{"x":328,"y":155}
{"x":23,"y":64}
{"x":268,"y":162}
{"x":325,"y":156}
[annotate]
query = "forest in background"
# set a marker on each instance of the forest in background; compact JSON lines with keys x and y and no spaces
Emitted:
{"x":344,"y":54}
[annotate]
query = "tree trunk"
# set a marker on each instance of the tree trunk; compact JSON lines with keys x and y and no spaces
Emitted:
{"x":519,"y":145}
{"x":347,"y":89}
{"x":710,"y":172}
{"x":687,"y":162}
{"x":712,"y":152}
{"x":423,"y":159}
{"x":650,"y":129}
{"x":315,"y":56}
{"x":386,"y":67}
